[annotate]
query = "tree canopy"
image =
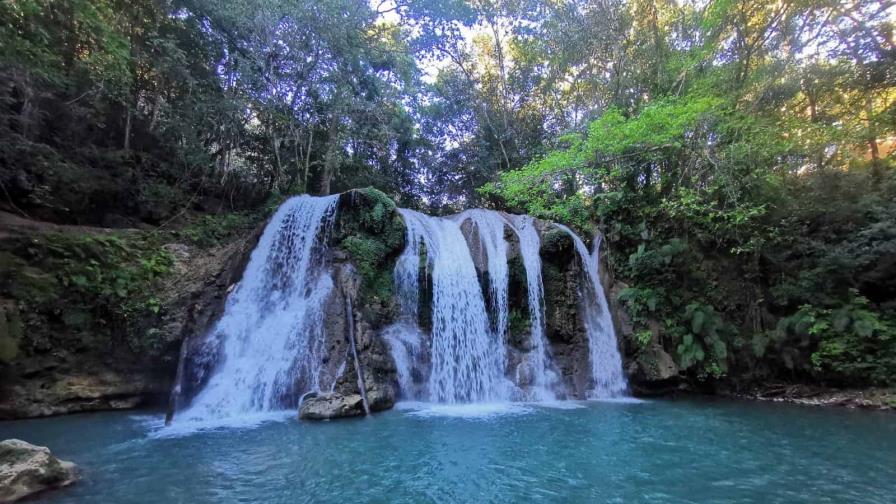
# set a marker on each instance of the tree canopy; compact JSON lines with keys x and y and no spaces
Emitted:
{"x":737,"y":154}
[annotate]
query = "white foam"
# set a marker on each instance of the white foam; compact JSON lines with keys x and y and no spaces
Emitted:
{"x":618,"y":400}
{"x":560,"y":405}
{"x":466,"y":410}
{"x":158,"y":429}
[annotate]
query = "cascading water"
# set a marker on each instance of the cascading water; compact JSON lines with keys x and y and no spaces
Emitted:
{"x":466,"y":355}
{"x":490,"y":229}
{"x":606,"y":363}
{"x":544,"y":379}
{"x":271,"y":331}
{"x":405,"y":344}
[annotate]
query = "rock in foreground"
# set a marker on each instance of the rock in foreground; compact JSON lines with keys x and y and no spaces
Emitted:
{"x":327,"y":406}
{"x":26,"y":469}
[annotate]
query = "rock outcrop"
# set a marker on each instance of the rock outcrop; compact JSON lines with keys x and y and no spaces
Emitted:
{"x":330,"y":406}
{"x":70,"y":359}
{"x":26,"y":469}
{"x":565,"y":328}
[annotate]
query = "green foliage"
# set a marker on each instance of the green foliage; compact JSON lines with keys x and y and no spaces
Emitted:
{"x":367,"y":254}
{"x":97,"y":286}
{"x":210,"y":230}
{"x":643,"y":338}
{"x":640,"y":303}
{"x":703,"y":341}
{"x":855,"y":344}
{"x":372,"y":232}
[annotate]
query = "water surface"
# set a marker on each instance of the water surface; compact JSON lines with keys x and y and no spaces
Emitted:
{"x":657,"y":451}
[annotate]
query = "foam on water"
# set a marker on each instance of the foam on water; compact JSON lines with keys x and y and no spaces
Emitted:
{"x":471,"y":411}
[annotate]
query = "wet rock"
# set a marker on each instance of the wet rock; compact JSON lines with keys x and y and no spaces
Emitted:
{"x":655,"y":364}
{"x":26,"y":469}
{"x":380,"y":396}
{"x":331,"y":405}
{"x":54,"y":392}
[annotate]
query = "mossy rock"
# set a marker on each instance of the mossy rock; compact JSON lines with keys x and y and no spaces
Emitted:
{"x":555,"y":241}
{"x":372,"y":232}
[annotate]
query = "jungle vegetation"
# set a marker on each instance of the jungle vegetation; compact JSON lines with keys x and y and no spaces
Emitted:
{"x":738,"y":155}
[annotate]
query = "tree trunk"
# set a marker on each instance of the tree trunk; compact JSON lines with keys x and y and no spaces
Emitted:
{"x":127,"y":131}
{"x":329,"y":169}
{"x":871,"y":134}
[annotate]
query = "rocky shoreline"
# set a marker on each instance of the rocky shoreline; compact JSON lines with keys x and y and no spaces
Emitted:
{"x":882,"y":399}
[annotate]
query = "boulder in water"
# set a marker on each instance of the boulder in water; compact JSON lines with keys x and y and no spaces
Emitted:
{"x":331,"y":405}
{"x":26,"y":469}
{"x":380,"y":396}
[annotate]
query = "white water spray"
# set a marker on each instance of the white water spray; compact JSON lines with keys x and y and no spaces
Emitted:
{"x":464,"y":348}
{"x":606,"y":363}
{"x":490,"y":230}
{"x":405,"y":344}
{"x":544,"y":378}
{"x":272,"y":330}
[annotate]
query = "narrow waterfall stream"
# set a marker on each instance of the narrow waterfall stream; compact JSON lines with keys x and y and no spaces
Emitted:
{"x":271,"y":335}
{"x":606,"y":362}
{"x":490,"y":230}
{"x":544,"y":379}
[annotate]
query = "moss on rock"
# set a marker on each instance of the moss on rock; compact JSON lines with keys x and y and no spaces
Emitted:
{"x":371,"y":231}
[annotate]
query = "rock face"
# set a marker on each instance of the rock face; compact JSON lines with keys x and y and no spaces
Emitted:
{"x":650,"y":369}
{"x":61,"y":371}
{"x":329,"y":406}
{"x":71,"y":361}
{"x":26,"y":469}
{"x":565,"y":328}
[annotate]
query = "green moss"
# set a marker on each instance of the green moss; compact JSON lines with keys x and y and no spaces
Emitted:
{"x":81,"y":289}
{"x":372,"y":232}
{"x":10,"y":333}
{"x":555,"y":239}
{"x":367,"y":253}
{"x":518,"y":322}
{"x":210,"y":230}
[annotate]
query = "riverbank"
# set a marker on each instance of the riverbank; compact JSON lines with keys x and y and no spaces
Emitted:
{"x":870,"y":399}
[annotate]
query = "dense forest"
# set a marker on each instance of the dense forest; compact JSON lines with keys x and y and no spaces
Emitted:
{"x":737,"y":155}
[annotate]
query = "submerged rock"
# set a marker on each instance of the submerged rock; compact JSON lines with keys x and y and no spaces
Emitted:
{"x":331,"y":405}
{"x":26,"y":469}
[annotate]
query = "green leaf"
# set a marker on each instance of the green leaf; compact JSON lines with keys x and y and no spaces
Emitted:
{"x":697,"y":321}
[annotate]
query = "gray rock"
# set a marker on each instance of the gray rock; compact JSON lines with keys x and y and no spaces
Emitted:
{"x":331,"y":405}
{"x":380,"y":396}
{"x":26,"y":469}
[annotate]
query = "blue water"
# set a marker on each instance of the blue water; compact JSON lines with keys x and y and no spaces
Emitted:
{"x":658,"y":451}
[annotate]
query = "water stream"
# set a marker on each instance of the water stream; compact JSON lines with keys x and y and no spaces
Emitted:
{"x":544,"y":379}
{"x":603,"y":348}
{"x":467,"y":356}
{"x":271,"y":333}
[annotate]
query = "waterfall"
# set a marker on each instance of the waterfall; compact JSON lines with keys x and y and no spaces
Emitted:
{"x":544,"y":379}
{"x":405,"y":343}
{"x":490,"y":229}
{"x":467,"y":357}
{"x":271,"y":332}
{"x":606,"y":363}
